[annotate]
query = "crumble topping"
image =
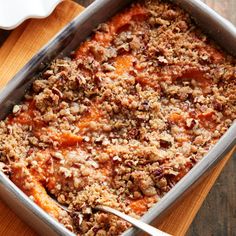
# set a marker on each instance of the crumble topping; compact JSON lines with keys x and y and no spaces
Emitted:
{"x":122,"y":120}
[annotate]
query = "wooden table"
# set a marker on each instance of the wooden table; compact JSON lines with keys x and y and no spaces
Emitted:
{"x":178,"y":220}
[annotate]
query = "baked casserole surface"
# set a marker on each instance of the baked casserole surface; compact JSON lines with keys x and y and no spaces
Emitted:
{"x":122,"y":120}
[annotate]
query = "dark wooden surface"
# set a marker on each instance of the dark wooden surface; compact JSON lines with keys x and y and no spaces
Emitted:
{"x":217,"y":215}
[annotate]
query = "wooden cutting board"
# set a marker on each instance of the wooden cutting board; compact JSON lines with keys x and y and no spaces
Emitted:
{"x":20,"y":46}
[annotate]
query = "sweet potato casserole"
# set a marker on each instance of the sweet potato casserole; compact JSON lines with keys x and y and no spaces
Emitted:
{"x":122,"y":120}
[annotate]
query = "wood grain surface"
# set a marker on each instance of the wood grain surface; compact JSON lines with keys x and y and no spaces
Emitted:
{"x":19,"y":48}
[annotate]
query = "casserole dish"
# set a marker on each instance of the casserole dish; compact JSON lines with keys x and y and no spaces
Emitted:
{"x":200,"y":167}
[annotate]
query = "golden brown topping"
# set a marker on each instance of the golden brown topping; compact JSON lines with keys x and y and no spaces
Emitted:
{"x":121,"y":122}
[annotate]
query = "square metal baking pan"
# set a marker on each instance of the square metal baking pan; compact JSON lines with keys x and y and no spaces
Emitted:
{"x":222,"y":31}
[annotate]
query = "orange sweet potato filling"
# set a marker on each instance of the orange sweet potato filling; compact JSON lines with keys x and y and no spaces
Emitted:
{"x":118,"y":22}
{"x":38,"y":192}
{"x":68,"y":141}
{"x":123,"y":64}
{"x":141,"y":206}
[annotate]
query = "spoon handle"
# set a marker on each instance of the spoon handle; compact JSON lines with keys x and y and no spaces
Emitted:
{"x":137,"y":223}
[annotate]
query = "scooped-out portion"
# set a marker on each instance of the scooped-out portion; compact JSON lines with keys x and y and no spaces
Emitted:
{"x":122,"y":120}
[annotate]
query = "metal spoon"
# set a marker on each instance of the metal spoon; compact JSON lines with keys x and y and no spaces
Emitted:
{"x":137,"y":223}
